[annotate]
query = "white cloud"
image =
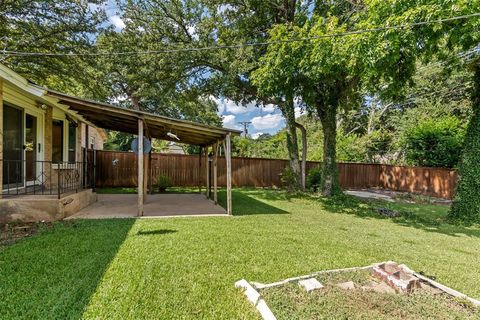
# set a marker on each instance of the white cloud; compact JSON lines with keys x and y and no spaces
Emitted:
{"x":256,"y":135}
{"x":268,"y":108}
{"x":268,"y":121}
{"x":229,"y":121}
{"x":93,"y":6}
{"x":225,"y":7}
{"x":117,"y":22}
{"x":232,"y":107}
{"x":219,"y":103}
{"x":192,"y":31}
{"x":119,"y":98}
{"x":299,"y":112}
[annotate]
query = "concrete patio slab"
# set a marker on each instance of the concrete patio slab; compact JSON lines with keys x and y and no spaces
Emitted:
{"x":369,"y":195}
{"x":157,"y":205}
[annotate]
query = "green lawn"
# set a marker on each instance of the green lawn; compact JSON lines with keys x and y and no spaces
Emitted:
{"x":185,"y":267}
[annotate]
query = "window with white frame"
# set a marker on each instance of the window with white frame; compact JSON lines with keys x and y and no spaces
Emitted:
{"x":64,"y":141}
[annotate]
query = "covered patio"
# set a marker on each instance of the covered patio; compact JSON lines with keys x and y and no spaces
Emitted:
{"x":158,"y":205}
{"x":213,"y":142}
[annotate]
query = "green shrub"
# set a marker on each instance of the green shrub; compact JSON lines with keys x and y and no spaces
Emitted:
{"x":289,"y":181}
{"x":466,"y":203}
{"x":163,"y":183}
{"x":434,"y":143}
{"x":314,"y":178}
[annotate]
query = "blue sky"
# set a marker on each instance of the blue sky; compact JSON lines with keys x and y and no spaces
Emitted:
{"x":266,"y":119}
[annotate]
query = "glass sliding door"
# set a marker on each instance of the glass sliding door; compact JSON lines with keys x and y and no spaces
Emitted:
{"x":12,"y":147}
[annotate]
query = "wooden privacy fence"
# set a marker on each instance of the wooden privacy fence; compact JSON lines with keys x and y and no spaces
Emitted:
{"x":119,"y":169}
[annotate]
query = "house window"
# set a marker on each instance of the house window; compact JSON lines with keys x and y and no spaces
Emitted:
{"x":57,"y":141}
{"x":72,"y":141}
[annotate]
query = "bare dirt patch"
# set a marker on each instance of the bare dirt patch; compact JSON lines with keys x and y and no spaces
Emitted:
{"x":16,"y":231}
{"x":370,"y":298}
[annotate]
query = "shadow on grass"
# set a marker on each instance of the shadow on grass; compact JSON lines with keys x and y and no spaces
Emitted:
{"x":429,"y":218}
{"x":244,"y":204}
{"x":155,"y":232}
{"x":53,"y":274}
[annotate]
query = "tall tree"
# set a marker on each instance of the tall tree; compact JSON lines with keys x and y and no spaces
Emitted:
{"x":325,"y":73}
{"x":332,"y":72}
{"x":63,"y":26}
{"x":441,"y":40}
{"x":466,"y":204}
{"x":223,"y":73}
{"x":151,"y":82}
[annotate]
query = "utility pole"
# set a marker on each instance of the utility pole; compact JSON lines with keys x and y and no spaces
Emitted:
{"x":245,"y":127}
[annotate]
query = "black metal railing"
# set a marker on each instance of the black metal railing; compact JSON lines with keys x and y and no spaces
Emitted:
{"x":26,"y":177}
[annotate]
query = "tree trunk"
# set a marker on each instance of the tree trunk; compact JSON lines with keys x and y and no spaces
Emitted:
{"x":329,"y":184}
{"x":466,"y":203}
{"x":135,"y":102}
{"x":304,"y":153}
{"x":288,"y":113}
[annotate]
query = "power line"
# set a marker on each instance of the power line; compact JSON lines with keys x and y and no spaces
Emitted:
{"x":414,"y":97}
{"x":241,"y":45}
{"x":464,"y":57}
{"x":245,"y":125}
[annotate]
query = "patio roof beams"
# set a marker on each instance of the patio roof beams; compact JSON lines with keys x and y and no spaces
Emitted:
{"x":120,"y":119}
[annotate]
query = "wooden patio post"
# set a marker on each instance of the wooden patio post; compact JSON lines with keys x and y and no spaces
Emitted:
{"x":140,"y":189}
{"x":228,"y":157}
{"x":146,"y":170}
{"x":207,"y":173}
{"x":215,"y":179}
{"x":200,"y":170}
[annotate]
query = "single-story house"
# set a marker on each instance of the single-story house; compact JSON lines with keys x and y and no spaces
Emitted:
{"x":48,"y":171}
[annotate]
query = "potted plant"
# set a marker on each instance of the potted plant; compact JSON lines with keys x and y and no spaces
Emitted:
{"x":163,"y":183}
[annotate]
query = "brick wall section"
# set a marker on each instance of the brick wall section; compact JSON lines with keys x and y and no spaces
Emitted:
{"x":78,"y":146}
